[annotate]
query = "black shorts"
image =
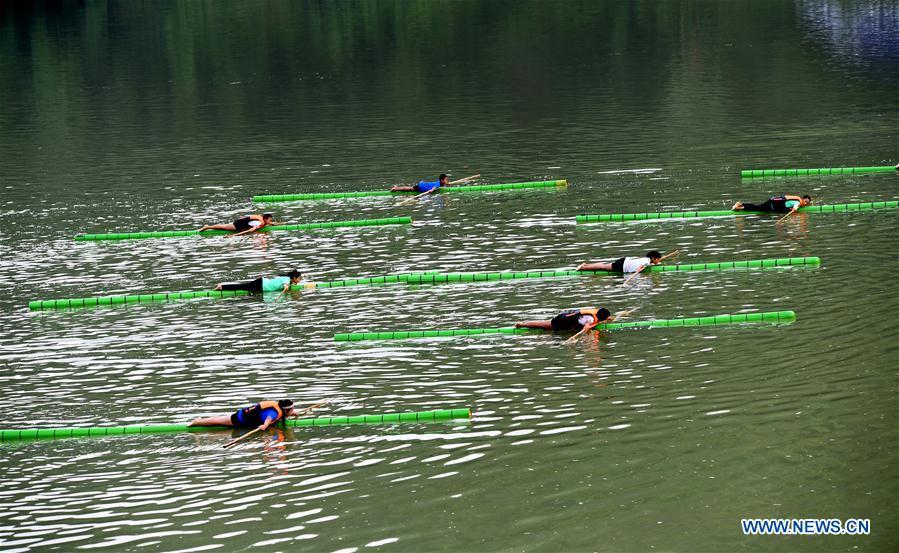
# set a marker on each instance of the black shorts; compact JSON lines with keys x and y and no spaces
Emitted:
{"x":618,"y":265}
{"x":777,"y":207}
{"x":415,"y":188}
{"x":252,"y":286}
{"x":768,"y":207}
{"x":242,"y":224}
{"x":246,"y":423}
{"x":567,"y":320}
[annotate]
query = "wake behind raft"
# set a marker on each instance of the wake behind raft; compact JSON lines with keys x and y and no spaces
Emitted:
{"x":386,"y":418}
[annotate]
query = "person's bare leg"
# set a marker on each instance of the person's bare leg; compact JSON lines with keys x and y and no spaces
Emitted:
{"x":737,"y":206}
{"x":402,"y":189}
{"x":218,"y":287}
{"x":544,"y":325}
{"x":223,"y":420}
{"x":599,"y":266}
{"x":224,"y":226}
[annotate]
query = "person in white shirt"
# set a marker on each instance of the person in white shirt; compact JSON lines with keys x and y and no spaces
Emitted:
{"x":626,"y":264}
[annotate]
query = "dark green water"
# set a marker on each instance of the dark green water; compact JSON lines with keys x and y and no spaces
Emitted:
{"x":152,"y":115}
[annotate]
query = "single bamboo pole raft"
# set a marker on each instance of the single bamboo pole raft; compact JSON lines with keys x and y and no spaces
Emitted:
{"x":615,"y":217}
{"x":715,"y":320}
{"x":756,"y":173}
{"x":422,"y":278}
{"x":271,"y":198}
{"x":270,"y":228}
{"x":101,"y":301}
{"x":39,"y":305}
{"x":388,"y":418}
{"x":436,"y":278}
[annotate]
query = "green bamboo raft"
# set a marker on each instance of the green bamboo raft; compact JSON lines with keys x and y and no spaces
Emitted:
{"x":766,"y":317}
{"x":39,"y":305}
{"x":271,"y":198}
{"x":756,"y":173}
{"x":388,"y":418}
{"x":271,"y":228}
{"x":421,"y":278}
{"x":615,"y":217}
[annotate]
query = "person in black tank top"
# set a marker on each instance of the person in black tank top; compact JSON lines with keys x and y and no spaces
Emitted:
{"x":775,"y":204}
{"x":244,"y":225}
{"x":264,"y":413}
{"x":570,"y":320}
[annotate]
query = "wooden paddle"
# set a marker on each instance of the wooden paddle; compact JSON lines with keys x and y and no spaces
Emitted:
{"x":583,"y":330}
{"x":242,"y":438}
{"x":590,"y":327}
{"x":466,"y":179}
{"x":306,"y":410}
{"x":784,"y":217}
{"x":257,"y":430}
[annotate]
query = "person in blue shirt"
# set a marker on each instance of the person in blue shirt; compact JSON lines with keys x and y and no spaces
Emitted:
{"x":278,"y":284}
{"x":784,"y":203}
{"x":423,"y":186}
{"x":261,"y":415}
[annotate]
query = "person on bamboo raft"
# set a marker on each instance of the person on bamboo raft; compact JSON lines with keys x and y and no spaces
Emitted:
{"x":278,"y":284}
{"x":245,"y":225}
{"x":572,"y":319}
{"x":423,"y":186}
{"x":626,"y":264}
{"x":784,"y":203}
{"x":261,"y":415}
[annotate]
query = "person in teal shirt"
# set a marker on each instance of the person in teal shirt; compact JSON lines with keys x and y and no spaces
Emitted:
{"x":278,"y":284}
{"x":784,"y":203}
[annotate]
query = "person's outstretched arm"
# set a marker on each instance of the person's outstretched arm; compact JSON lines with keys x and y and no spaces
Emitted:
{"x":284,"y":290}
{"x":667,"y":255}
{"x":624,"y":313}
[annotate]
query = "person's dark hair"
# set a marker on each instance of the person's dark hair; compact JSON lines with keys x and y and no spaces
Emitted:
{"x":652,"y":254}
{"x":602,"y":314}
{"x":442,"y":176}
{"x":294,"y":274}
{"x":267,"y":216}
{"x":807,"y":197}
{"x":285,"y":403}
